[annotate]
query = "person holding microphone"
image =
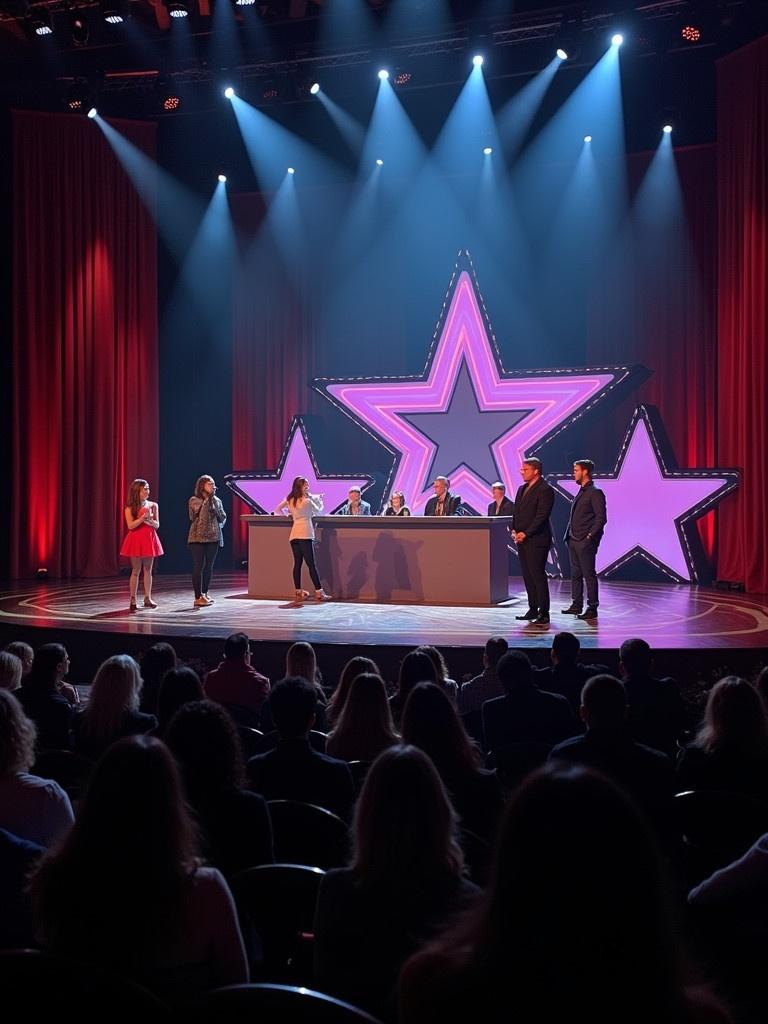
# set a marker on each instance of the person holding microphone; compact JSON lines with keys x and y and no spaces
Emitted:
{"x":206,"y":535}
{"x":301,"y":506}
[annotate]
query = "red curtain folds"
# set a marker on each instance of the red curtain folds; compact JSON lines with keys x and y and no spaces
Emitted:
{"x":742,"y":410}
{"x":85,"y":417}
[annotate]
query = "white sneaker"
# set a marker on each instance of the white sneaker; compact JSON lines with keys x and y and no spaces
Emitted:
{"x":202,"y":602}
{"x":320,"y":595}
{"x":210,"y":600}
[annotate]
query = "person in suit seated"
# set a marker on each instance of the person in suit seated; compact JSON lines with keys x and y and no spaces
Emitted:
{"x":501,"y":504}
{"x":444,"y":503}
{"x":293,"y":770}
{"x":397,"y":505}
{"x":657,"y":712}
{"x":533,"y":536}
{"x":525,"y":713}
{"x":583,"y":533}
{"x":566,"y":675}
{"x":354,"y":505}
{"x":607,"y":746}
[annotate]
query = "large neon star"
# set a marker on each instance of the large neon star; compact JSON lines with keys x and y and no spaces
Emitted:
{"x":652,"y":505}
{"x":263,"y":491}
{"x":539,"y":403}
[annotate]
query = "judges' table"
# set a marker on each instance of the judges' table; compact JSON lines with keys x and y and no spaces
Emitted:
{"x":458,"y":560}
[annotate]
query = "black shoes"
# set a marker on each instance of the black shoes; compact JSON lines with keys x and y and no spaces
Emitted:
{"x":589,"y":613}
{"x":542,"y":619}
{"x":573,"y":609}
{"x":530,"y":614}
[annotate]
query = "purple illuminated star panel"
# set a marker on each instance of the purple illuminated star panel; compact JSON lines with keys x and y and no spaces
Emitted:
{"x":263,"y":491}
{"x":652,"y":505}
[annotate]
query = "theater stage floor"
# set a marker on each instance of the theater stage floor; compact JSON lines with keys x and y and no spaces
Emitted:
{"x":670,"y":617}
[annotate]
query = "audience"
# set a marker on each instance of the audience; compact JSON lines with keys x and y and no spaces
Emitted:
{"x":431,"y":723}
{"x":576,"y":920}
{"x":364,"y":727}
{"x":404,"y":882}
{"x":236,"y":684}
{"x":301,"y":661}
{"x":37,"y":810}
{"x":126,"y":887}
{"x":730,"y":751}
{"x":355,"y":667}
{"x":486,"y":686}
{"x":236,"y":831}
{"x":416,"y":667}
{"x":25,"y":654}
{"x":565,"y":675}
{"x":293,"y":770}
{"x":11,"y":670}
{"x":525,"y":713}
{"x":44,"y":702}
{"x":112,"y":710}
{"x":155,"y":662}
{"x":607,"y":746}
{"x":657,"y":715}
{"x":179,"y":686}
{"x":444,"y":681}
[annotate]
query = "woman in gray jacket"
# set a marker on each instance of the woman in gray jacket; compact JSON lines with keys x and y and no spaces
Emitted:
{"x":206,"y":535}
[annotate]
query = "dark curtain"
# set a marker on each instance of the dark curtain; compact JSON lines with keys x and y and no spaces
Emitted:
{"x":85,"y":415}
{"x":742,"y":387}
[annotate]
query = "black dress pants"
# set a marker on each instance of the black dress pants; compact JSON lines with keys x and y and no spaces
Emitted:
{"x":533,"y":562}
{"x":582,"y":554}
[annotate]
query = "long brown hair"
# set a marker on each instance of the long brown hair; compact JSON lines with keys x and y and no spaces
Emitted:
{"x":364,"y":727}
{"x":201,"y":481}
{"x":735,"y":717}
{"x":134,"y":496}
{"x":297,"y":489}
{"x":354,"y":667}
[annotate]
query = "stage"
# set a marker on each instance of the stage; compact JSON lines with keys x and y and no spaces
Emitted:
{"x":692,"y":627}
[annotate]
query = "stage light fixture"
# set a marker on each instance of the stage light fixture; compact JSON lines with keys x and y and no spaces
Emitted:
{"x":291,"y":170}
{"x":229,"y":92}
{"x":617,"y":39}
{"x":691,"y":33}
{"x":79,"y":30}
{"x":222,"y":179}
{"x":77,"y":97}
{"x":477,"y":60}
{"x":93,"y":112}
{"x":314,"y":88}
{"x":113,"y":11}
{"x":42,"y":573}
{"x":587,"y":138}
{"x":171,"y":102}
{"x":488,"y":150}
{"x":561,"y":53}
{"x":178,"y":9}
{"x":383,"y":74}
{"x":403,"y":77}
{"x":244,"y":3}
{"x":379,"y":162}
{"x":41,"y":22}
{"x":667,"y":129}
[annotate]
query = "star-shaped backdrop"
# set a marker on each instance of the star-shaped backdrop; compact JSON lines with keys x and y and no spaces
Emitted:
{"x":263,"y":491}
{"x":652,"y":505}
{"x":465,"y":415}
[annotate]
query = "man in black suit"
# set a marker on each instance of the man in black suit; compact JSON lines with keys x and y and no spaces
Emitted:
{"x":501,"y":505}
{"x":293,"y":770}
{"x":533,"y":535}
{"x":566,"y":675}
{"x":586,"y":523}
{"x":444,"y":503}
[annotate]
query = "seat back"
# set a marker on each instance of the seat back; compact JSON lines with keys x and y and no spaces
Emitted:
{"x":276,"y":1004}
{"x":307,"y":834}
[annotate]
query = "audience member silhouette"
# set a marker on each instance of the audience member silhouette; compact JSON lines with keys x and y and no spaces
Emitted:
{"x":431,"y":723}
{"x":576,"y":921}
{"x":41,"y":697}
{"x":364,"y":727}
{"x":566,"y":675}
{"x":11,"y":669}
{"x":444,"y":680}
{"x":179,"y":686}
{"x":486,"y":686}
{"x":354,"y":667}
{"x":236,"y":830}
{"x":657,"y":714}
{"x":405,"y":880}
{"x":126,"y":887}
{"x":112,"y":710}
{"x":154,"y":663}
{"x":236,"y":684}
{"x":416,"y":667}
{"x":293,"y":770}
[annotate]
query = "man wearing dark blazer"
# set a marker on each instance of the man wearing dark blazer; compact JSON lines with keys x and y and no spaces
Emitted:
{"x":501,"y":505}
{"x":533,"y":535}
{"x":444,"y":503}
{"x":586,"y":524}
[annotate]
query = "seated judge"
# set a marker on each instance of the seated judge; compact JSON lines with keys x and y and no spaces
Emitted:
{"x":444,"y":503}
{"x":501,"y":504}
{"x":397,"y":506}
{"x":354,"y":505}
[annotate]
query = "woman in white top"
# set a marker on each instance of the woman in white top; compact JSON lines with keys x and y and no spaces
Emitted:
{"x":301,"y":506}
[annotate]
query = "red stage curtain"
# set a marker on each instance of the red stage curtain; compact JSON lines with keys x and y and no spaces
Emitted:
{"x":85,"y":417}
{"x":742,"y":405}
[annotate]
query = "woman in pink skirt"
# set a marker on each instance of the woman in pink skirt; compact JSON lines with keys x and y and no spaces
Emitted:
{"x":141,"y":544}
